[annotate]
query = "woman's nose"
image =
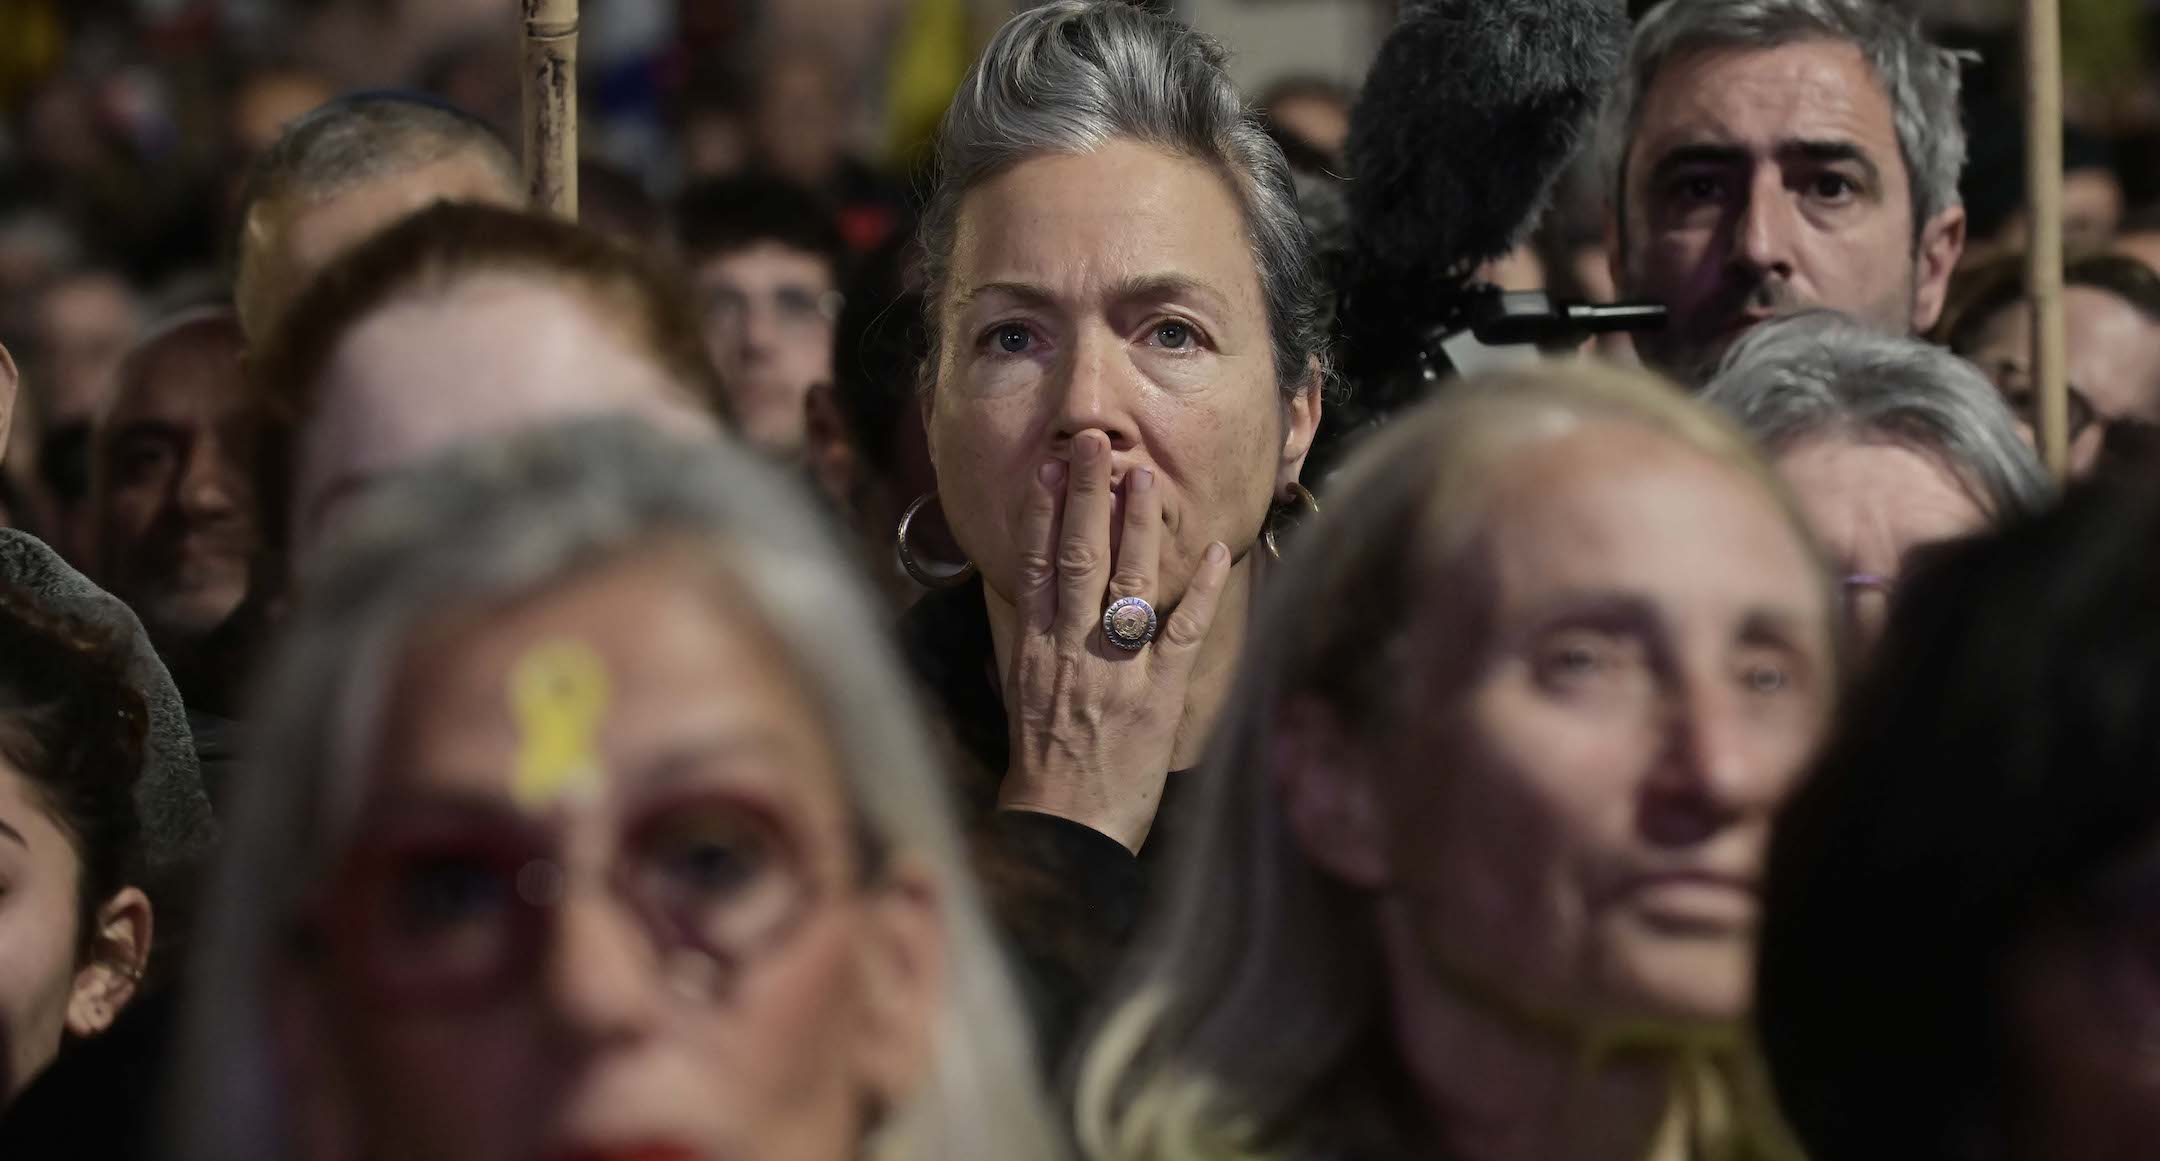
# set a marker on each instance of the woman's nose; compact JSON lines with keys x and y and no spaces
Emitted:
{"x":599,"y":983}
{"x":1094,"y":391}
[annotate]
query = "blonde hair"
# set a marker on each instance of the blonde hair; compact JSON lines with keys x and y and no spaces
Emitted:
{"x":508,"y":518}
{"x":1254,"y":1027}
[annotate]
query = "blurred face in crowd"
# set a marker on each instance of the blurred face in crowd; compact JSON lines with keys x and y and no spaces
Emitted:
{"x":1576,"y":807}
{"x":2112,"y":363}
{"x":1319,"y":120}
{"x":1871,"y":502}
{"x":285,"y":244}
{"x":2083,"y":1014}
{"x":489,"y":354}
{"x":1760,"y":181}
{"x":85,"y":324}
{"x":607,"y":900}
{"x":176,"y":510}
{"x":1114,"y":292}
{"x":268,"y":102}
{"x":769,"y":318}
{"x":799,"y":120}
{"x":46,"y":990}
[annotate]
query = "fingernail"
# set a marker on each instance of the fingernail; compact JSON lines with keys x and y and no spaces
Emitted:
{"x":1143,"y":479}
{"x":1052,"y":473}
{"x":1090,"y":445}
{"x":1216,"y":552}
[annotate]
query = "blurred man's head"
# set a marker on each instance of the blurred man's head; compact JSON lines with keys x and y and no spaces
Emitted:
{"x":267,"y":101}
{"x":81,"y":325}
{"x":798,"y":118}
{"x":1312,"y":109}
{"x":767,"y":257}
{"x":346,"y":171}
{"x":173,"y":470}
{"x":1783,"y":154}
{"x":460,"y":322}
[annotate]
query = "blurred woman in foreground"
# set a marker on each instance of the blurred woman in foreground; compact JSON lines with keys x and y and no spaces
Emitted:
{"x":1495,"y":794}
{"x":1962,"y":955}
{"x":591,"y":827}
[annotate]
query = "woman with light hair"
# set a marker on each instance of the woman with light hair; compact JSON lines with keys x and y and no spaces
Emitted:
{"x":587,"y":823}
{"x":1483,"y":825}
{"x":1127,"y":350}
{"x":1891,"y":444}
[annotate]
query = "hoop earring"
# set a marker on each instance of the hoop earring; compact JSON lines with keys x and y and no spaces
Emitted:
{"x":915,"y":569}
{"x":1299,"y":494}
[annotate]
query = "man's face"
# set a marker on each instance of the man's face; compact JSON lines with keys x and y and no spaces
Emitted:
{"x":176,"y":515}
{"x":1761,"y":181}
{"x":769,"y":313}
{"x":284,"y":245}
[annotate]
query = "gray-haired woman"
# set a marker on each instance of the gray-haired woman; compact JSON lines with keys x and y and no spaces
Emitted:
{"x":1890,"y":443}
{"x":1482,"y":827}
{"x":589,"y":823}
{"x":1124,"y":379}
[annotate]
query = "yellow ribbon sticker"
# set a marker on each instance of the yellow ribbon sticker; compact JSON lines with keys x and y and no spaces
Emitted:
{"x":559,"y":695}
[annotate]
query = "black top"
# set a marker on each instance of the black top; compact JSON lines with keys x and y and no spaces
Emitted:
{"x":1065,"y":896}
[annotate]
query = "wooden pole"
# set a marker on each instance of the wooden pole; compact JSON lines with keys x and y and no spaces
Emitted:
{"x":2044,"y":257}
{"x":551,"y":105}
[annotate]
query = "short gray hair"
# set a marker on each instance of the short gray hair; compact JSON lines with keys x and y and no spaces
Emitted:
{"x":499,"y":520}
{"x":1921,"y":79}
{"x":1820,"y":373}
{"x":1072,"y":75}
{"x":369,"y":136}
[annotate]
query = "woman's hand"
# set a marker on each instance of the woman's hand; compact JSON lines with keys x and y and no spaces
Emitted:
{"x":1094,"y":726}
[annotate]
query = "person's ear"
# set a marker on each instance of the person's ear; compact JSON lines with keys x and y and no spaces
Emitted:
{"x":1303,"y":415}
{"x":1942,"y":243}
{"x":827,"y":450}
{"x":1329,"y":800}
{"x":903,"y":976}
{"x":10,"y":384}
{"x":119,"y":954}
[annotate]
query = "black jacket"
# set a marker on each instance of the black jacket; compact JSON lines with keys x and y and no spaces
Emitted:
{"x":1066,"y":897}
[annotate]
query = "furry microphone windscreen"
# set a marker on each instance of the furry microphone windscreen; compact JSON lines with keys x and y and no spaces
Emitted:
{"x":1469,"y":114}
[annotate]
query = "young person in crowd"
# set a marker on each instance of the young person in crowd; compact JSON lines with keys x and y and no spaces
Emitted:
{"x":75,"y":920}
{"x":342,"y":173}
{"x":1774,"y":154}
{"x":2111,"y":323}
{"x":768,"y":262}
{"x":1959,"y":956}
{"x":1493,"y":794}
{"x":464,"y":321}
{"x":591,"y":819}
{"x":1125,"y":370}
{"x":1892,"y":445}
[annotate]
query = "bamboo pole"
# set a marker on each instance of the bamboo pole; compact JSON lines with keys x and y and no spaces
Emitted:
{"x":551,"y":105}
{"x":2044,"y":257}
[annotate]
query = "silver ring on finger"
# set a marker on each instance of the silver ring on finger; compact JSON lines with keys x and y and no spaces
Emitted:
{"x":1129,"y":623}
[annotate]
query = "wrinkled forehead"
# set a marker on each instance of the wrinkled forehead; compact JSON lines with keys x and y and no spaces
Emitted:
{"x":1811,"y":90}
{"x":1617,"y":507}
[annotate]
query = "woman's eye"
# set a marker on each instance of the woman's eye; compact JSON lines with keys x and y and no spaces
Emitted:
{"x":1766,"y":679}
{"x":1011,"y":338}
{"x":1175,"y":336}
{"x":1576,"y":661}
{"x":441,"y":892}
{"x":711,"y":863}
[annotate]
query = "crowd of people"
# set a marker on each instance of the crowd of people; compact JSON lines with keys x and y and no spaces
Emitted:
{"x":796,"y":670}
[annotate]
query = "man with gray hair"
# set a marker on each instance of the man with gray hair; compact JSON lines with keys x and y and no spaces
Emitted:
{"x":1769,"y":155}
{"x":342,"y":173}
{"x":1889,"y":443}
